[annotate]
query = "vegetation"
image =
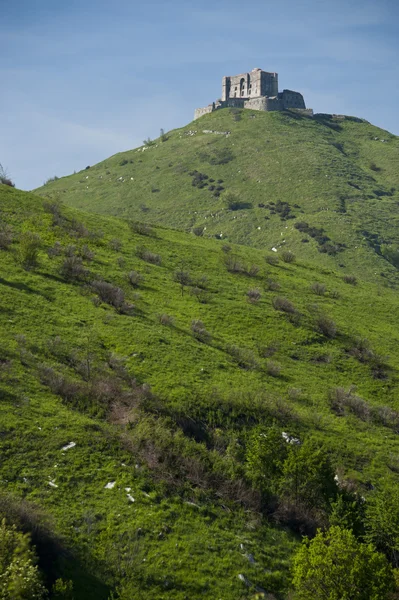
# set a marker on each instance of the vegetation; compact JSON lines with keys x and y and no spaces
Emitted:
{"x":325,"y":188}
{"x":335,"y":566}
{"x":177,"y":411}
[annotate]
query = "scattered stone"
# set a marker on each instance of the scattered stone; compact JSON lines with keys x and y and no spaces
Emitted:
{"x":110,"y":485}
{"x":69,"y":446}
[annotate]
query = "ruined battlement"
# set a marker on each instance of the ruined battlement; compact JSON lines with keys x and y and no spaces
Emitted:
{"x":256,"y":90}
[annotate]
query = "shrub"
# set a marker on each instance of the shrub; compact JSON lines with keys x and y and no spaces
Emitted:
{"x":283,"y":304}
{"x":201,"y":295}
{"x":141,"y":228}
{"x":148,"y":256}
{"x":78,"y":230}
{"x":115,"y":244}
{"x":70,"y":250}
{"x":318,"y":288}
{"x":165,"y":319}
{"x":30,"y":245}
{"x":252,"y":270}
{"x":343,"y":401}
{"x":123,"y":162}
{"x":55,"y":250}
{"x":272,"y":286}
{"x":198,"y":231}
{"x":50,"y":179}
{"x":233,"y":203}
{"x":112,"y":295}
{"x":233,"y":264}
{"x":326,"y":326}
{"x":273,"y":368}
{"x":288,"y":256}
{"x":86,"y":253}
{"x":135,"y":278}
{"x":245,"y":358}
{"x":253,"y":295}
{"x":267,"y":351}
{"x":226,"y":248}
{"x":72,"y":269}
{"x":351,"y":279}
{"x":6,"y":236}
{"x":199,"y":331}
{"x":272,"y":259}
{"x":68,"y":390}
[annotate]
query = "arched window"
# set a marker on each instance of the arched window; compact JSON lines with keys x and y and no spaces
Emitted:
{"x":242,"y":86}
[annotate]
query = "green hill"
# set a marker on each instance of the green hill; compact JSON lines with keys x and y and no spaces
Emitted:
{"x":326,"y":187}
{"x":167,"y":359}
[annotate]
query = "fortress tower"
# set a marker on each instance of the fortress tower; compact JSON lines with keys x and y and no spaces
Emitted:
{"x":250,"y":85}
{"x":257,"y":90}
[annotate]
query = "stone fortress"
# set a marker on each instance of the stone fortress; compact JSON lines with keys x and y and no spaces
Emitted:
{"x":257,"y":90}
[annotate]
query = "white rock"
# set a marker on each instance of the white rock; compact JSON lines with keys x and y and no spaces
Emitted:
{"x":68,"y":446}
{"x":110,"y":485}
{"x":130,"y":498}
{"x":128,"y":489}
{"x":52,"y":484}
{"x":274,"y":249}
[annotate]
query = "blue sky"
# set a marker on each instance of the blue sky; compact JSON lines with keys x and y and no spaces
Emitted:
{"x":84,"y":79}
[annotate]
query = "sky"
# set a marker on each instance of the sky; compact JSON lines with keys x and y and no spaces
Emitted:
{"x":84,"y":79}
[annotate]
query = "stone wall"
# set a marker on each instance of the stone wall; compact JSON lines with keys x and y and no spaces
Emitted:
{"x":200,"y":112}
{"x":292,"y":99}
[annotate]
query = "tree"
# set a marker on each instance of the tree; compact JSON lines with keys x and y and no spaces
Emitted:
{"x":265,"y":455}
{"x":348,"y":512}
{"x":19,"y":575}
{"x":382,"y":524}
{"x":308,"y":476}
{"x":335,"y":566}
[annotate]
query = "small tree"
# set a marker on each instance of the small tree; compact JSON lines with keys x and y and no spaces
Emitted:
{"x":183,"y":277}
{"x":164,"y":137}
{"x":5,"y":178}
{"x":335,"y":566}
{"x":19,"y":576}
{"x":264,"y":458}
{"x":382,"y":524}
{"x":308,"y":476}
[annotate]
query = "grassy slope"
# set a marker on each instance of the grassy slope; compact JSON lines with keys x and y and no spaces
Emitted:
{"x":199,"y":554}
{"x":313,"y":164}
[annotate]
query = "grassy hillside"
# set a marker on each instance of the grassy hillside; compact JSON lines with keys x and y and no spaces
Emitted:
{"x":339,"y":176}
{"x":160,"y":354}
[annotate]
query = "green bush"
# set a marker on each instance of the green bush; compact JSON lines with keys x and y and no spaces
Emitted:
{"x":29,"y":247}
{"x":19,"y":575}
{"x":335,"y":566}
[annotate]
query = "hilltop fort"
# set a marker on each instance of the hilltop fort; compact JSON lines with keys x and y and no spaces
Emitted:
{"x":257,"y":90}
